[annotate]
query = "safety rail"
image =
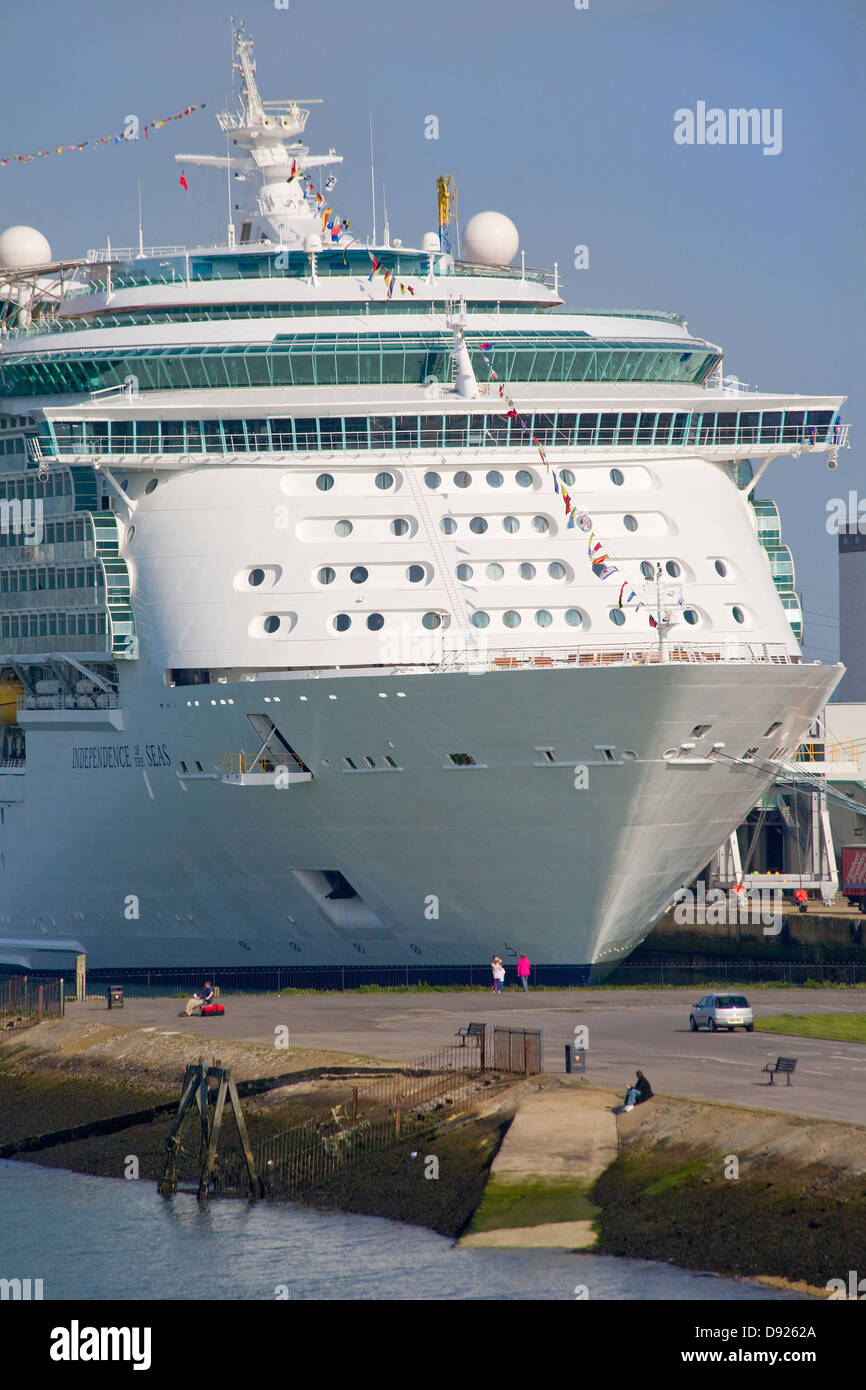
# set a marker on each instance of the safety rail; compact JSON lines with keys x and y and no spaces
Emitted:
{"x":643,"y":654}
{"x":242,"y":764}
{"x":106,"y":254}
{"x":749,"y":437}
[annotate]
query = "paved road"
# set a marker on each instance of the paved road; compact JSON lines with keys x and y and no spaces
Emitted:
{"x":627,"y":1029}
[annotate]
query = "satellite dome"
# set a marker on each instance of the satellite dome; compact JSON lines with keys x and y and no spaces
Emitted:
{"x":430,"y":242}
{"x":23,"y":247}
{"x":312,"y":243}
{"x":490,"y":238}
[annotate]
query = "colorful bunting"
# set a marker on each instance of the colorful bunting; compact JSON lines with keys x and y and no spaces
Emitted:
{"x":120,"y":139}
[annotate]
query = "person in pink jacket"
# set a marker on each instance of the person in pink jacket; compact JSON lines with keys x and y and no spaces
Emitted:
{"x":523,"y":968}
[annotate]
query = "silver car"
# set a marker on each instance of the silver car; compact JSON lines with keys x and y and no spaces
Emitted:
{"x":722,"y":1011}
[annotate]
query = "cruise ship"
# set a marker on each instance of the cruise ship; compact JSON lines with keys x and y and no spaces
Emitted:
{"x":361,"y":604}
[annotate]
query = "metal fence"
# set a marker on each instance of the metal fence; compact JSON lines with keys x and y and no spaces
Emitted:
{"x":27,"y":997}
{"x":646,"y":971}
{"x":409,"y":1101}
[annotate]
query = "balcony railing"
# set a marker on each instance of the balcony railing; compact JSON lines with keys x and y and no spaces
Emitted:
{"x":634,"y":654}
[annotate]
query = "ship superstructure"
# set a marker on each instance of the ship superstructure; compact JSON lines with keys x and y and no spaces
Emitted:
{"x":306,"y":660}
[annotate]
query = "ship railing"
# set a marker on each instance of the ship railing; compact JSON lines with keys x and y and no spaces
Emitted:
{"x":642,"y":654}
{"x":102,"y":699}
{"x":105,"y":254}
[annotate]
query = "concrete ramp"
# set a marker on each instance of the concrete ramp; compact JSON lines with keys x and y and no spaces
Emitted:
{"x":561,"y":1139}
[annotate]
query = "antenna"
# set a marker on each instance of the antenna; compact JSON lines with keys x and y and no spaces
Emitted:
{"x":140,"y":234}
{"x":372,"y":178}
{"x":387,"y":232}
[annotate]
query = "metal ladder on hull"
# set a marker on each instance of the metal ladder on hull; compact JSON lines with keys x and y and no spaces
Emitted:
{"x":459,"y":615}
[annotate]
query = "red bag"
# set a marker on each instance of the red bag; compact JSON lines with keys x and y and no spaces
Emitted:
{"x":213,"y":1008}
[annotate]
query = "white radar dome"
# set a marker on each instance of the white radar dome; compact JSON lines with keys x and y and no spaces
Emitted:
{"x":312,"y":242}
{"x":23,"y":247}
{"x":430,"y":242}
{"x":489,"y":238}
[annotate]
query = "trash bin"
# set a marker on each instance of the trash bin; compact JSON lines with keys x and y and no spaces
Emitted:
{"x":575,"y":1059}
{"x":115,"y":996}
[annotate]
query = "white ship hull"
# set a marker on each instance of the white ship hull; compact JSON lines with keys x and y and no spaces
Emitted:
{"x":147,"y":867}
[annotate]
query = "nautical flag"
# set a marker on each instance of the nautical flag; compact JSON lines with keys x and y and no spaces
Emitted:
{"x":621,"y":592}
{"x":329,"y":182}
{"x":555,"y":483}
{"x":510,"y":414}
{"x":567,"y":500}
{"x":606,"y":570}
{"x":653,"y":622}
{"x":182,"y":181}
{"x":410,"y":289}
{"x":485,"y":347}
{"x":376,"y":266}
{"x":584,"y":522}
{"x":391,"y":286}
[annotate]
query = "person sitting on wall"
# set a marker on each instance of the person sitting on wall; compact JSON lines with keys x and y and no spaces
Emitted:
{"x":203,"y":996}
{"x":639,"y":1092}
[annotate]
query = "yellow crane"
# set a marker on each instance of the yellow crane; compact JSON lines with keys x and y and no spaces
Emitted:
{"x":446,"y":195}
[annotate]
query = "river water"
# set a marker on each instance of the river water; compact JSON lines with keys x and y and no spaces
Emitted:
{"x":106,"y":1238}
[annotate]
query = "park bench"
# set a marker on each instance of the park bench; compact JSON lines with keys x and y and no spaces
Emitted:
{"x":474,"y":1030}
{"x":782,"y":1066}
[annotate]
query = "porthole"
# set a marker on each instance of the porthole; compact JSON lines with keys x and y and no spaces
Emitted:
{"x":342,"y":622}
{"x":647,"y":569}
{"x":523,"y":478}
{"x":326,"y":575}
{"x":480,"y":619}
{"x":540,"y":524}
{"x":478,"y":525}
{"x":526,"y":570}
{"x":616,"y":477}
{"x":151,"y":485}
{"x":462,"y":479}
{"x":574,"y":617}
{"x":359,"y":575}
{"x":567,"y":476}
{"x":673,"y":569}
{"x":255,"y":578}
{"x":399,"y":526}
{"x":384,"y":481}
{"x":271,"y":624}
{"x":556,"y":570}
{"x":511,"y":618}
{"x":448,"y":525}
{"x":130,"y":535}
{"x":415,"y":573}
{"x":344,"y":528}
{"x":464,"y":573}
{"x":738,"y":615}
{"x":510,"y":524}
{"x":543,"y":618}
{"x":616,"y":616}
{"x":494,"y":571}
{"x":494,"y":478}
{"x":629,"y":522}
{"x":375,"y":622}
{"x":432,"y":480}
{"x":691,"y":616}
{"x":721,"y":568}
{"x":431,"y":621}
{"x":324,"y":482}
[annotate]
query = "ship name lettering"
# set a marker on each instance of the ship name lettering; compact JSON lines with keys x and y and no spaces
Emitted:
{"x":101,"y":757}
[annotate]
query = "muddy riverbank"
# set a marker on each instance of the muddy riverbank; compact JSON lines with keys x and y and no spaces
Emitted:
{"x":706,"y":1186}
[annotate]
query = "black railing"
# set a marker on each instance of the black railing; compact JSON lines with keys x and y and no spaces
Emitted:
{"x":651,"y":972}
{"x":31,"y":997}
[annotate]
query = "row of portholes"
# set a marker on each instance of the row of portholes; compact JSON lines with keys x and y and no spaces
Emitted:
{"x":384,"y":481}
{"x":494,"y":478}
{"x":359,"y":574}
{"x":510,"y":619}
{"x":375,"y":621}
{"x":510,"y":525}
{"x":462,"y":478}
{"x":495,"y":571}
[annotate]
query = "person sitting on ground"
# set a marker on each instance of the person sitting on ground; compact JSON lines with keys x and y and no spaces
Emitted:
{"x":203,"y":996}
{"x":640,"y":1091}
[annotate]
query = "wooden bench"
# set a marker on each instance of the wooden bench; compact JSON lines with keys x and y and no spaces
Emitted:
{"x":782,"y":1066}
{"x":475,"y":1030}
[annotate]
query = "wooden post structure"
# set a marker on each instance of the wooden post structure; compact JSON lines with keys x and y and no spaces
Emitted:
{"x":81,"y":979}
{"x":195,"y":1090}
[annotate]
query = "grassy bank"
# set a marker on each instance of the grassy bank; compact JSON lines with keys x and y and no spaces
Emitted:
{"x":836,"y":1027}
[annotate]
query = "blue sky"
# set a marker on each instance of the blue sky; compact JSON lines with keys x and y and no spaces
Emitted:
{"x":561,"y":118}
